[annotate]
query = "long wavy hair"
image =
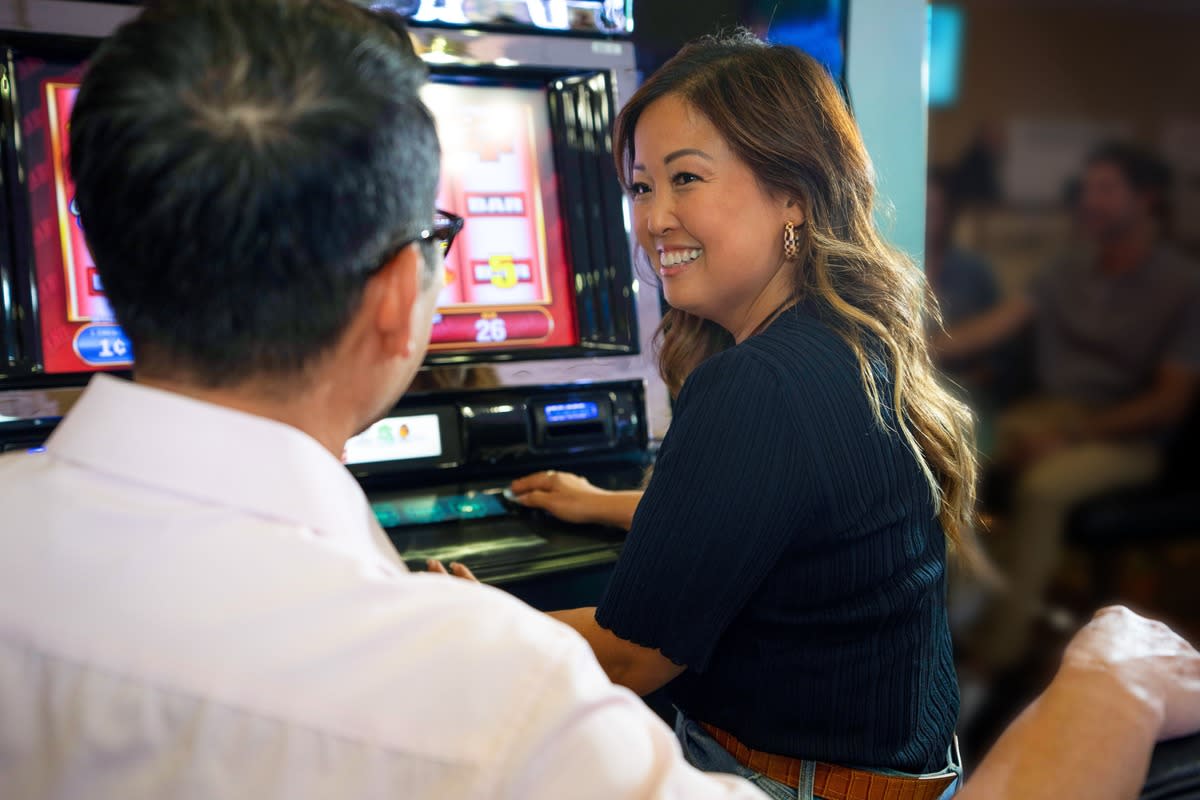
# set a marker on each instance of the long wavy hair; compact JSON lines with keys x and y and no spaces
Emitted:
{"x":784,"y":117}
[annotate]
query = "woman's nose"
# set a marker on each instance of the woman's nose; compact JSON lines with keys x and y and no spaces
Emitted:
{"x":660,"y":215}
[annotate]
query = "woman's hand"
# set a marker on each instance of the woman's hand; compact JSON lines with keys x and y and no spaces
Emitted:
{"x":572,"y":498}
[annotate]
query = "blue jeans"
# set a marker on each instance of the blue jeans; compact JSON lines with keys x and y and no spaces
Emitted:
{"x":703,"y":752}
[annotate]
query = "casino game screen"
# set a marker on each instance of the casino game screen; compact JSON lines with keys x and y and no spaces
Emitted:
{"x":506,"y":282}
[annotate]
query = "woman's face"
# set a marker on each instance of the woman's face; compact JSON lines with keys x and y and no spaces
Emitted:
{"x":710,"y":230}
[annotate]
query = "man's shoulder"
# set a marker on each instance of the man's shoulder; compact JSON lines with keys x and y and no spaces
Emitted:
{"x":22,"y":477}
{"x":407,"y":675}
{"x":17,"y":462}
{"x":417,"y":665}
{"x":1065,"y":268}
{"x":440,"y":667}
{"x":1177,"y":268}
{"x":963,"y":263}
{"x":485,"y":612}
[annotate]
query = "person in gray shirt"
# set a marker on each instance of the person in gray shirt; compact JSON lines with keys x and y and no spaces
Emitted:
{"x":1117,"y":337}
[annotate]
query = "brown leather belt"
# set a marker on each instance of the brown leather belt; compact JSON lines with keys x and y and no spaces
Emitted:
{"x":832,"y":782}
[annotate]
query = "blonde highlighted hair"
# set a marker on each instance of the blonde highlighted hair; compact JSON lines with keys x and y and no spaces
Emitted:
{"x":783,"y":116}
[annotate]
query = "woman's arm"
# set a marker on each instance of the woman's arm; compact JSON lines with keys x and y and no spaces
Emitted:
{"x":573,"y":499}
{"x":642,"y":669}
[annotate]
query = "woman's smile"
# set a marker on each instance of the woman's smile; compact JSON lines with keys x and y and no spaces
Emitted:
{"x":676,"y":260}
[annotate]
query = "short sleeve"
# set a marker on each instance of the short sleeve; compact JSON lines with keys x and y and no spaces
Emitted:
{"x":987,"y":290}
{"x":727,"y":496}
{"x":1041,"y":286}
{"x":586,"y":738}
{"x":1183,"y":349}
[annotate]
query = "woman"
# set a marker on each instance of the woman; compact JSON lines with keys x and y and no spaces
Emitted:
{"x":785,"y":568}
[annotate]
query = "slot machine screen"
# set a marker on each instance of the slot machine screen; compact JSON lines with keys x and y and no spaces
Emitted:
{"x":75,"y":324}
{"x":507,"y":280}
{"x":396,"y":439}
{"x":541,"y":269}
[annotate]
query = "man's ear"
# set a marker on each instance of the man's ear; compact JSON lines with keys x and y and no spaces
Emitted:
{"x":397,"y":289}
{"x":1152,"y":201}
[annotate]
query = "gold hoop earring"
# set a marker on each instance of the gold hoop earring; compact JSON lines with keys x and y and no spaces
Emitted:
{"x":791,"y":242}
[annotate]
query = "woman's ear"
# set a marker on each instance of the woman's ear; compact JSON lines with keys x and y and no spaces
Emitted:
{"x":794,"y":211}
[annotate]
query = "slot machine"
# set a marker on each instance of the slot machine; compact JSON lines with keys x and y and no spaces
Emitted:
{"x":540,"y":355}
{"x":539,"y":295}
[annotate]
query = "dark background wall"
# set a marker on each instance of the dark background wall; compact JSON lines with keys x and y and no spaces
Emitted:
{"x":663,"y":27}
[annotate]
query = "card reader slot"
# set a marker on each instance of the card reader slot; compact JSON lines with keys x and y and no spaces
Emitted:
{"x":571,"y":430}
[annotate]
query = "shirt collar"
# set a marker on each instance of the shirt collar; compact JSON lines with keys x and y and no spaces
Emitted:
{"x":220,"y":456}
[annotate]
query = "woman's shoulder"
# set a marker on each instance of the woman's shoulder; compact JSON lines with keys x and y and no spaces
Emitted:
{"x":733,"y":367}
{"x":797,"y":355}
{"x":800,"y":343}
{"x":757,"y":359}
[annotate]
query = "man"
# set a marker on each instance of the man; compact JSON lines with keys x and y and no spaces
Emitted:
{"x":961,"y":280}
{"x":963,"y":284}
{"x":1117,"y":331}
{"x":196,"y":600}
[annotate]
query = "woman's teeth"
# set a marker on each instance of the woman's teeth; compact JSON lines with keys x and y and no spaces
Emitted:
{"x":676,"y":257}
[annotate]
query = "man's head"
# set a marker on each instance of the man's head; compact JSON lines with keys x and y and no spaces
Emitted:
{"x":941,"y":208}
{"x":244,"y":170}
{"x":1122,"y":190}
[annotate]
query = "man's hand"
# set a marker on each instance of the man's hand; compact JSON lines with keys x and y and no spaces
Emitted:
{"x":456,"y":569}
{"x":1125,"y":681}
{"x":1032,"y":449}
{"x":1153,"y":664}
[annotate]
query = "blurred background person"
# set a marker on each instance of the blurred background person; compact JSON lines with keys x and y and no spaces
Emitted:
{"x":1116,"y":326}
{"x":964,"y":286}
{"x":961,"y":280}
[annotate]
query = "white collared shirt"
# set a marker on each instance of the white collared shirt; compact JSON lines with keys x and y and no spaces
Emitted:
{"x":197,"y":603}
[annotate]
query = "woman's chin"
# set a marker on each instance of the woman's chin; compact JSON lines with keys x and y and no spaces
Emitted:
{"x":687,"y":305}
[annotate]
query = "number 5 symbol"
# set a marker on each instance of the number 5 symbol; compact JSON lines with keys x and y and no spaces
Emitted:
{"x":504,"y":274}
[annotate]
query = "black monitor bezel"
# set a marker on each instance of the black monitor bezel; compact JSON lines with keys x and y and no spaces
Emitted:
{"x":450,"y":431}
{"x":591,"y":205}
{"x":19,"y":307}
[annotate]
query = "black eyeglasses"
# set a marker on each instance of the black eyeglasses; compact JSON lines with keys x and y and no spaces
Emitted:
{"x":442,"y":232}
{"x":445,"y":227}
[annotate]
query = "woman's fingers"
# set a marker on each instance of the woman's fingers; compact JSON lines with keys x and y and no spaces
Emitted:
{"x":538,"y":481}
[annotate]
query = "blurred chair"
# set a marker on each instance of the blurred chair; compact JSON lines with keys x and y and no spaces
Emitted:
{"x":1174,"y":771}
{"x":1167,"y":510}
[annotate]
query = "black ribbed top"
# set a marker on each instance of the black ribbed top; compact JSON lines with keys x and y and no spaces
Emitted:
{"x":788,"y":553}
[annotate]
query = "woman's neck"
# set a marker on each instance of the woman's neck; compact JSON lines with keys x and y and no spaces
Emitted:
{"x":770,"y":303}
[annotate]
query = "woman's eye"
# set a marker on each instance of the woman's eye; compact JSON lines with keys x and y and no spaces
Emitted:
{"x":683,"y":178}
{"x":639,"y":188}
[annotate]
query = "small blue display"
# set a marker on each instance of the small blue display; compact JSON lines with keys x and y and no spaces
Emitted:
{"x":431,"y":509}
{"x":571,"y":412}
